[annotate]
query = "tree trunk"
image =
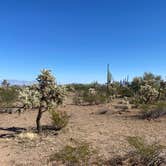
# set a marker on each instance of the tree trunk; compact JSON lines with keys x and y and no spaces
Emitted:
{"x":39,"y":129}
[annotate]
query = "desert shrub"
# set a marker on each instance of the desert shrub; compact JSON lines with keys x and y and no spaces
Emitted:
{"x":136,"y":84}
{"x":153,"y":112}
{"x":77,"y":99}
{"x":125,"y":91}
{"x":135,"y":100}
{"x":70,"y":88}
{"x":78,"y":154}
{"x":8,"y":96}
{"x":146,"y":154}
{"x":93,"y":93}
{"x":162,"y":91}
{"x":90,"y":97}
{"x":59,"y":119}
{"x":85,"y":87}
{"x":94,"y":98}
{"x":79,"y":87}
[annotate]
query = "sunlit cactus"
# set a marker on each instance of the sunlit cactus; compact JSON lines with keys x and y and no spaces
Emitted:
{"x":44,"y":96}
{"x":148,"y":94}
{"x":29,"y":96}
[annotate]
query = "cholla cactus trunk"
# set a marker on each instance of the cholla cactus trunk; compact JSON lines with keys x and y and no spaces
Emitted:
{"x":38,"y":124}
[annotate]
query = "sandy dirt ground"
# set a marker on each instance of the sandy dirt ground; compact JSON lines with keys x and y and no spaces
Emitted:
{"x":106,"y":132}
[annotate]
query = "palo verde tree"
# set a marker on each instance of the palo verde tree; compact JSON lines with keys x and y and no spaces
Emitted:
{"x":44,"y":96}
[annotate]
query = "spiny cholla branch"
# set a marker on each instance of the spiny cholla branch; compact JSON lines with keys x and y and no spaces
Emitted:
{"x":46,"y":93}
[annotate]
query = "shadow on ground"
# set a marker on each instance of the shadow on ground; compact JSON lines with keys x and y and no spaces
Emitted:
{"x":13,"y":131}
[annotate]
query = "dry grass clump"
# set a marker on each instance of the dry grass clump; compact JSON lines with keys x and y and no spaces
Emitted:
{"x":28,"y":136}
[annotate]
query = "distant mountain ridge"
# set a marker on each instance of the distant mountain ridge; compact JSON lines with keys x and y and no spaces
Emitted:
{"x":19,"y":82}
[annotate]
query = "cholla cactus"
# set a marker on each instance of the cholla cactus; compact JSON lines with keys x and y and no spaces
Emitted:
{"x":29,"y":97}
{"x":148,"y":94}
{"x":45,"y":95}
{"x":50,"y":93}
{"x":92,"y":91}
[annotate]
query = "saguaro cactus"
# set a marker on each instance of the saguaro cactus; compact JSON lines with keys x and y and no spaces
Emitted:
{"x":109,"y":78}
{"x":109,"y":75}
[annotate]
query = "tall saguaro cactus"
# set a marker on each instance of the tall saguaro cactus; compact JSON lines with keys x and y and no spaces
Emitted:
{"x":109,"y":75}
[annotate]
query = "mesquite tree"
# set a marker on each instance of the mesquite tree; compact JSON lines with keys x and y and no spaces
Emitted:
{"x":44,"y":96}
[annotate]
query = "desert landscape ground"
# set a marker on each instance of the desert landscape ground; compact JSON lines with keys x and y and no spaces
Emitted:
{"x":82,"y":83}
{"x":105,"y":132}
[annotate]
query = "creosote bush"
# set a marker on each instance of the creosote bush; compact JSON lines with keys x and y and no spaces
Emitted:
{"x":78,"y":154}
{"x":59,"y":119}
{"x":90,"y":97}
{"x":8,"y":96}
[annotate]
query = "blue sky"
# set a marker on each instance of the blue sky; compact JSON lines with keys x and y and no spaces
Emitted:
{"x":77,"y":38}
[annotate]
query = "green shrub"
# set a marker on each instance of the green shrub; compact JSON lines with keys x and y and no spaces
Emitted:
{"x":88,"y":99}
{"x":59,"y":119}
{"x":8,"y":96}
{"x":78,"y":154}
{"x":125,"y":91}
{"x":147,"y":154}
{"x":94,"y":99}
{"x":77,"y":99}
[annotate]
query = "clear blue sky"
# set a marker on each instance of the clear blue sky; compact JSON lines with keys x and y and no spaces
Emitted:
{"x":77,"y":38}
